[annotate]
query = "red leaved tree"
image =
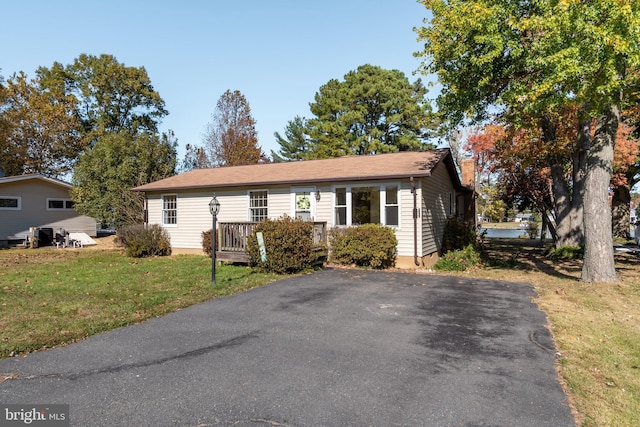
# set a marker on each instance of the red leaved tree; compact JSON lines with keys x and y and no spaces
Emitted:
{"x":626,"y":167}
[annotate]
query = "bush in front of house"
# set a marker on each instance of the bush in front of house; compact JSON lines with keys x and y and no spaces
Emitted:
{"x":368,"y":245}
{"x":459,"y":259}
{"x":460,"y":246}
{"x":206,"y":241}
{"x":144,"y":240}
{"x":458,"y":234}
{"x":288,"y":243}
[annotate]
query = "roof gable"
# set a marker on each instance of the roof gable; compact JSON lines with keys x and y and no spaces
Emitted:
{"x":348,"y":168}
{"x":18,"y":178}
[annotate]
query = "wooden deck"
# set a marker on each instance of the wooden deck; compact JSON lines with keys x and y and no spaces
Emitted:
{"x":233,"y":236}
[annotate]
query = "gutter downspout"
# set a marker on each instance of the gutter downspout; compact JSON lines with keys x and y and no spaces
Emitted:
{"x":415,"y":223}
{"x":146,"y":209}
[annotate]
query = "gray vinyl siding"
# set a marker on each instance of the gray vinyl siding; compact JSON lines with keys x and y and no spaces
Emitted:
{"x":324,"y":206}
{"x":404,"y":233}
{"x":435,"y":208}
{"x":34,"y":193}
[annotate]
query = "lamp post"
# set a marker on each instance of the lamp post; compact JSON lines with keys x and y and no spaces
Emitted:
{"x":214,"y":208}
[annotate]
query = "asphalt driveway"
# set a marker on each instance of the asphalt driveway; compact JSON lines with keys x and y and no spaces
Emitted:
{"x":334,"y":348}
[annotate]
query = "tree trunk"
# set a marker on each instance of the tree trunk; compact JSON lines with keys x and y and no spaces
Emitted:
{"x":579,"y":177}
{"x":599,"y":263}
{"x":621,"y":210}
{"x":566,"y":202}
{"x":564,"y":212}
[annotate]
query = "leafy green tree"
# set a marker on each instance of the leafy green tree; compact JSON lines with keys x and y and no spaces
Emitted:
{"x":118,"y":112}
{"x":372,"y":111}
{"x":231,"y":138}
{"x":4,"y":124}
{"x":536,"y":58}
{"x":295,"y":145}
{"x":38,"y":131}
{"x":626,"y":174}
{"x":116,"y":163}
{"x":111,"y":97}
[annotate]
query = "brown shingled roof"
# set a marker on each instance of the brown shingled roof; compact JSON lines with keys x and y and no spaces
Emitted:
{"x":349,"y":168}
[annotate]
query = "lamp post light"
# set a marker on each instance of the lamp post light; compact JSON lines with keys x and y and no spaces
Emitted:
{"x":214,"y":208}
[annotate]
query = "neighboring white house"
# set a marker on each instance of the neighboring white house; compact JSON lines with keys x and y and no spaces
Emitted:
{"x":413,"y":192}
{"x":38,"y":201}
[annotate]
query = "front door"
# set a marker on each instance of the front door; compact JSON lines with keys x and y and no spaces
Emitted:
{"x":304,"y":203}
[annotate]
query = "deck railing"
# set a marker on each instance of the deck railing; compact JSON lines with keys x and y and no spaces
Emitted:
{"x":233,"y":237}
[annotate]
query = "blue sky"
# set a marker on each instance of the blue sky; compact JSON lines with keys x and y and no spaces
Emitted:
{"x":277,"y":53}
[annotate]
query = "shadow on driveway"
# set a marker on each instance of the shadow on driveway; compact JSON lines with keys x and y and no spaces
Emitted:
{"x":334,"y":348}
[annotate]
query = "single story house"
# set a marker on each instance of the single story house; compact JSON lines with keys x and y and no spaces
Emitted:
{"x":34,"y":200}
{"x":413,"y":192}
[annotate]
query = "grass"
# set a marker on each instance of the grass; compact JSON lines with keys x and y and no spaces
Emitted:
{"x":596,"y":327}
{"x":51,"y":297}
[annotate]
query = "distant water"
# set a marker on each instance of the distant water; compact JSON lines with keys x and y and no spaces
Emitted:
{"x":516,"y":233}
{"x":505,"y":233}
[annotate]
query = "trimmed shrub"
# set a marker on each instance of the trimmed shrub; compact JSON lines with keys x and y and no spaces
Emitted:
{"x":288,"y":243}
{"x":459,"y":260}
{"x":458,"y":234}
{"x":144,"y":240}
{"x":368,"y":245}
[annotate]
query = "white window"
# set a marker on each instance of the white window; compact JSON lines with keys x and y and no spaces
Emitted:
{"x":10,"y":203}
{"x":169,"y":209}
{"x":341,"y":206}
{"x":367,"y":205}
{"x":60,"y":204}
{"x":258,"y":205}
{"x":391,"y":208}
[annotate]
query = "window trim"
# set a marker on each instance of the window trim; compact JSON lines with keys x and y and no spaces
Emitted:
{"x":384,"y":204}
{"x":163,"y":210}
{"x":59,"y":199}
{"x":346,"y":206}
{"x":382,"y":187}
{"x":18,"y":208}
{"x":249,"y":207}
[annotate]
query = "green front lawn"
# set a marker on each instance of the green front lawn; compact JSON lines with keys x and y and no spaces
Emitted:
{"x":51,"y":297}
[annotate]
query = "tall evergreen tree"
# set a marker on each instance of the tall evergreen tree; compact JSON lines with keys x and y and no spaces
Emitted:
{"x":295,"y":145}
{"x":372,"y":111}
